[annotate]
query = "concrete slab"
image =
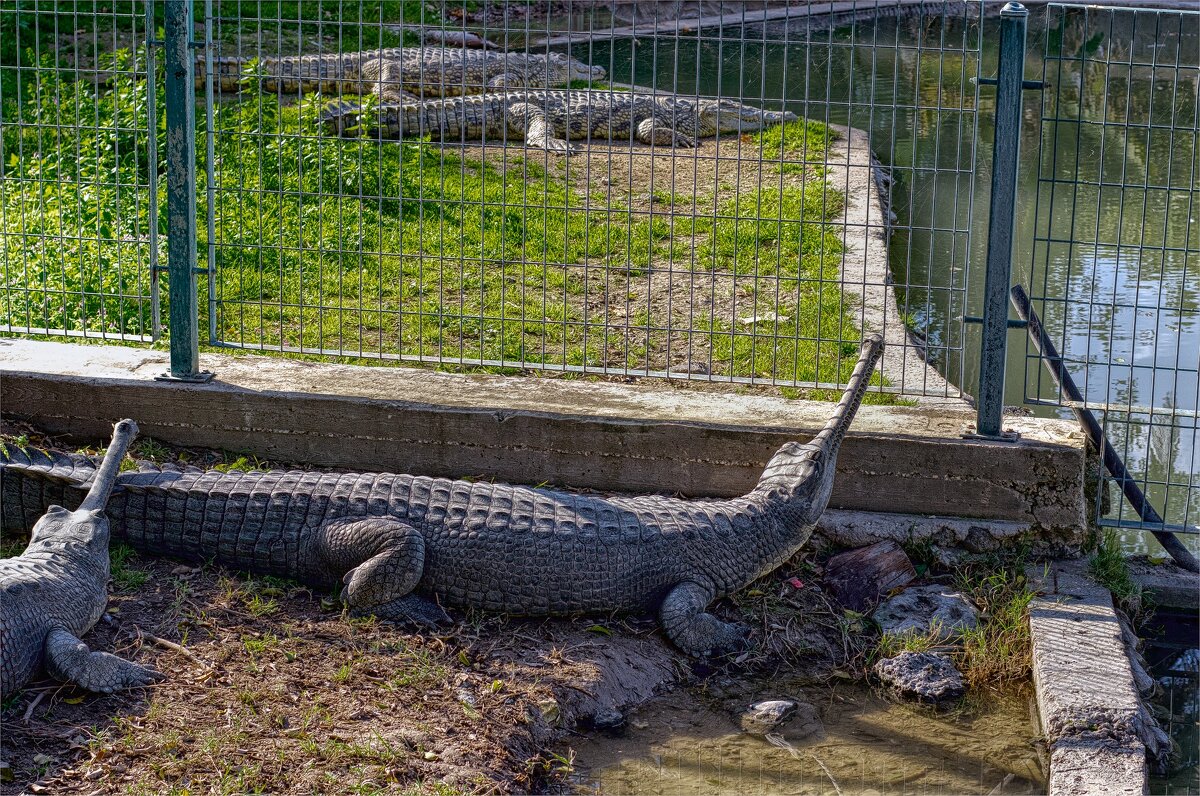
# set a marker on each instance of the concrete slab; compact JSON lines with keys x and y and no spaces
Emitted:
{"x":1166,"y":584}
{"x":531,"y":430}
{"x":1092,"y":715}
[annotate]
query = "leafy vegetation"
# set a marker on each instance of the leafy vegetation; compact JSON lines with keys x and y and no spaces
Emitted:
{"x":1108,"y":566}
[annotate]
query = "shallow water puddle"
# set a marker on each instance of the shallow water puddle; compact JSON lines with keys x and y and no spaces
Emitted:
{"x":681,"y":745}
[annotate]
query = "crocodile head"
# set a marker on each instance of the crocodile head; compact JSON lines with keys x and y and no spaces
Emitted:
{"x":72,"y":533}
{"x":560,"y":69}
{"x":727,"y":116}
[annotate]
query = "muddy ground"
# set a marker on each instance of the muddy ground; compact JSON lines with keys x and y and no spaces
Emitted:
{"x":272,"y":687}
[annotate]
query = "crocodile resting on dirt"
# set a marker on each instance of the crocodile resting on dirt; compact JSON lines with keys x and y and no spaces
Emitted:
{"x":54,"y":592}
{"x":547,"y":119}
{"x":401,"y":73}
{"x":511,"y":549}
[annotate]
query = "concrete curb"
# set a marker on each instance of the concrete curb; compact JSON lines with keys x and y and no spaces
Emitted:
{"x":583,"y":434}
{"x":1092,"y":715}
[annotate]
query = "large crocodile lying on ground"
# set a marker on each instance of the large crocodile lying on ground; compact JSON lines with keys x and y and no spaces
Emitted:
{"x":400,"y":73}
{"x":547,"y":119}
{"x":503,"y":548}
{"x":54,"y":592}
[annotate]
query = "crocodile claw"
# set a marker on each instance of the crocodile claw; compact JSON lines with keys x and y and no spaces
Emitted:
{"x":411,"y":609}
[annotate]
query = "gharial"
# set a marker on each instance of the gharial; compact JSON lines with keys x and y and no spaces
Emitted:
{"x":399,"y":73}
{"x":549,"y":119}
{"x":54,"y":592}
{"x":392,"y":538}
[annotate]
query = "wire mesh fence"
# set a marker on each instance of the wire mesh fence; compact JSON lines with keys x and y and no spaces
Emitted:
{"x":746,"y":242}
{"x":1115,"y":258}
{"x":78,"y":227}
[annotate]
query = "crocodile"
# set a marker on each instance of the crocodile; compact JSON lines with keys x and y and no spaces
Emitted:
{"x":400,"y":73}
{"x":396,"y":541}
{"x":55,"y":591}
{"x":546,"y":119}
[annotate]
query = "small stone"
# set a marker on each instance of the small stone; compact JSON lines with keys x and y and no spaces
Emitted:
{"x":430,"y":756}
{"x":927,"y":676}
{"x":466,"y":697}
{"x":804,"y":724}
{"x":42,"y":760}
{"x":549,"y":710}
{"x":94,"y":774}
{"x":182,"y":569}
{"x":763,"y":717}
{"x":609,"y":720}
{"x":921,"y":610}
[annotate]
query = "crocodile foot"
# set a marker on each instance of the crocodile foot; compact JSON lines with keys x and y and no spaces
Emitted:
{"x":696,"y":631}
{"x":411,"y":609}
{"x":69,"y":659}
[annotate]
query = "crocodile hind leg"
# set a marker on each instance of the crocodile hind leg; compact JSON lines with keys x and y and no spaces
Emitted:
{"x":383,"y":78}
{"x":69,"y":659}
{"x":653,"y":131}
{"x":693,"y":629}
{"x":382,"y":559}
{"x":530,"y":120}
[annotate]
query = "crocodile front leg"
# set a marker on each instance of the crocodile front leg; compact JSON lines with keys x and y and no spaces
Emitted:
{"x":694,"y":630}
{"x":70,"y":660}
{"x":383,"y":560}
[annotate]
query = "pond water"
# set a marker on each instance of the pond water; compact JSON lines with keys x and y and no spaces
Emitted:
{"x":682,"y":745}
{"x":1173,"y":653}
{"x":1126,"y":259}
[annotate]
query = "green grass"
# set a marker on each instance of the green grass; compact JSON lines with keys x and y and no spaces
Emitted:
{"x":1110,"y":569}
{"x":409,"y":250}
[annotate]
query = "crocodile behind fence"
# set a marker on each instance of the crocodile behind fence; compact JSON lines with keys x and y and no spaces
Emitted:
{"x":550,"y":119}
{"x":399,"y":73}
{"x":511,"y":549}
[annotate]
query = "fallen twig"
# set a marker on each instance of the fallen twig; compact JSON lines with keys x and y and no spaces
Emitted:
{"x":171,"y":645}
{"x":29,"y":710}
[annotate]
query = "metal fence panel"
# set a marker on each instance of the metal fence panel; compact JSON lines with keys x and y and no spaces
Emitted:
{"x":1116,"y":252}
{"x":755,"y":257}
{"x":78,"y":169}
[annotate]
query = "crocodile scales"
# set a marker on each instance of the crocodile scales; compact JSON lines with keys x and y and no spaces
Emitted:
{"x":56,"y":590}
{"x":400,"y":73}
{"x":548,"y":120}
{"x":511,"y":549}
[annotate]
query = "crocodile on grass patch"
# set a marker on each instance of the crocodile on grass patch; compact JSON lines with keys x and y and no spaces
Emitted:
{"x":551,"y":119}
{"x":56,"y":590}
{"x":395,"y":541}
{"x":401,"y":73}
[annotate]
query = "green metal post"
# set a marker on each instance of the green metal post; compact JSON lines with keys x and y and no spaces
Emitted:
{"x":183,"y":304}
{"x":1005,"y":153}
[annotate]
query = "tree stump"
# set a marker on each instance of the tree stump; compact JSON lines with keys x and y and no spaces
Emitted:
{"x":860,"y":578}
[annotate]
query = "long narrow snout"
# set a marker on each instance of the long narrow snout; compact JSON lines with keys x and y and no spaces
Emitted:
{"x":106,"y":477}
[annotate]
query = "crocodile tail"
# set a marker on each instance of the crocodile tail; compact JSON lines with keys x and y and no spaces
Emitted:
{"x":32,"y":480}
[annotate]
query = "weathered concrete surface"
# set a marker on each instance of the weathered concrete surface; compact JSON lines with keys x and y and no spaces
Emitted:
{"x":1166,"y":584}
{"x":1092,"y":715}
{"x":531,"y":430}
{"x":950,"y":540}
{"x":864,"y":272}
{"x":922,"y":610}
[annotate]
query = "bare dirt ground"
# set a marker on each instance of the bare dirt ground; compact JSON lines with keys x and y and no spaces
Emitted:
{"x":271,"y":687}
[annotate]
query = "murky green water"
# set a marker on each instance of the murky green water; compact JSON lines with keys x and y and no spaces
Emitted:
{"x":681,"y":745}
{"x":1126,"y":259}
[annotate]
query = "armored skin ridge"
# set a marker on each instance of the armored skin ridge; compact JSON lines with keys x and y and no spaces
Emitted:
{"x":402,"y":73}
{"x":56,"y":590}
{"x":550,"y":119}
{"x":511,"y":549}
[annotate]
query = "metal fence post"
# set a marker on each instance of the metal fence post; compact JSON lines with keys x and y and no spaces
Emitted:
{"x":183,"y":304}
{"x":1010,"y":75}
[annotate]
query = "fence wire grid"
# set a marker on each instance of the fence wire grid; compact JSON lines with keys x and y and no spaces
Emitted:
{"x":1116,"y":245}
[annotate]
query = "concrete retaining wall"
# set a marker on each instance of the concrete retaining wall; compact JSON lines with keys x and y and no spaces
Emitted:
{"x":536,"y":430}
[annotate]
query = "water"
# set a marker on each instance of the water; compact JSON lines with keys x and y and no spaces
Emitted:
{"x":681,"y":745}
{"x":1173,"y":654}
{"x":1131,"y":274}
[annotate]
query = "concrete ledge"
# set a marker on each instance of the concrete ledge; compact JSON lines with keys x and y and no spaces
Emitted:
{"x":1092,"y":714}
{"x":1167,"y":584}
{"x":532,"y":430}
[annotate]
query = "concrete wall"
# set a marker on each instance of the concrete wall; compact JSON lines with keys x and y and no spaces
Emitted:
{"x":583,"y":434}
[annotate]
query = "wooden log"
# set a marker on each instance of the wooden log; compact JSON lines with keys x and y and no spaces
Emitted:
{"x":859,"y":578}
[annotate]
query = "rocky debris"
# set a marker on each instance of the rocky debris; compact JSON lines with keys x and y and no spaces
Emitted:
{"x":927,"y":676}
{"x":923,"y":610}
{"x":804,"y":724}
{"x":764,"y":717}
{"x":859,"y":578}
